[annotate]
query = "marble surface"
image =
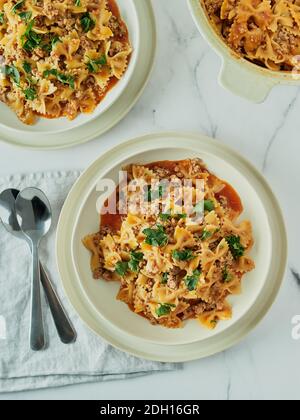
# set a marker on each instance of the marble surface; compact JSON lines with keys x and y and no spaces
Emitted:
{"x":184,"y":94}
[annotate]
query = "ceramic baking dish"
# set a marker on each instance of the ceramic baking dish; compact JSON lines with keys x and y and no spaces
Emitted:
{"x":238,"y":75}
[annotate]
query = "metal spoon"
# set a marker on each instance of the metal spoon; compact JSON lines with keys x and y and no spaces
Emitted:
{"x":63,"y":325}
{"x":34,"y":217}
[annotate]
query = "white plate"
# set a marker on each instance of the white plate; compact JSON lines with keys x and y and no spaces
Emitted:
{"x":8,"y":118}
{"x":95,"y":301}
{"x":60,"y":133}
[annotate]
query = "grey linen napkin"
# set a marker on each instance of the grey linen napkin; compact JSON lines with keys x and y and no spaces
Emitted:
{"x":90,"y":359}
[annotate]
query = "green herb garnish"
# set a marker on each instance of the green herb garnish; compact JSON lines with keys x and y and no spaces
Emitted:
{"x":206,"y":235}
{"x":94,"y":65}
{"x":12,"y":72}
{"x":30,"y":93}
{"x":136,"y":258}
{"x":17,"y":6}
{"x":164,"y":217}
{"x":31,"y":39}
{"x":1,"y":18}
{"x":156,"y":237}
{"x":27,"y":67}
{"x":209,"y":205}
{"x":164,"y":278}
{"x":184,"y":255}
{"x":153,"y":195}
{"x":48,"y":46}
{"x":236,"y":248}
{"x":122,"y":268}
{"x":180,"y":216}
{"x":164,"y":309}
{"x":61,"y":77}
{"x":87,"y":23}
{"x":192,"y":281}
{"x":227,"y":277}
{"x":77,"y":3}
{"x":26,"y":16}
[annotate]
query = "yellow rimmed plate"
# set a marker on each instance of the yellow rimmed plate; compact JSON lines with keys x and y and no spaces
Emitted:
{"x":95,"y":301}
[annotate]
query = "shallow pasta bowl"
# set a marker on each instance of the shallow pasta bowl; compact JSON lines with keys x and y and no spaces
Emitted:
{"x":9,"y":120}
{"x":238,"y":75}
{"x":95,"y":301}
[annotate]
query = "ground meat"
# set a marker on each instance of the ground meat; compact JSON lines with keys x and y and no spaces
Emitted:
{"x":197,"y":309}
{"x":175,"y":277}
{"x":287,"y":42}
{"x":102,"y":273}
{"x":213,"y":6}
{"x":118,"y":29}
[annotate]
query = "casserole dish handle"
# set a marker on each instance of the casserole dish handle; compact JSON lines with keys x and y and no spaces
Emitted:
{"x":245,"y":83}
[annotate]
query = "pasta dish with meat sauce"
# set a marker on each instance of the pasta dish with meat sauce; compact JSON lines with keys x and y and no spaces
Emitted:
{"x":171,"y":268}
{"x":59,"y":58}
{"x":266,"y":32}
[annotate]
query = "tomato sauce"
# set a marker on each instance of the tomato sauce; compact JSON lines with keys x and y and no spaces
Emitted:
{"x":232,"y":197}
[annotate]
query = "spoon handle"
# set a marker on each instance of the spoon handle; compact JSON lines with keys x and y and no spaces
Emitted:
{"x":37,"y":334}
{"x":63,"y":325}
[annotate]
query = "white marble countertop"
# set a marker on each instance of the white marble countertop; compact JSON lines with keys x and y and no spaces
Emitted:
{"x":184,"y":94}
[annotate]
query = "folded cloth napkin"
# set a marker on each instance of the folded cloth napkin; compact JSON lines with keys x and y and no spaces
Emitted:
{"x":90,"y":359}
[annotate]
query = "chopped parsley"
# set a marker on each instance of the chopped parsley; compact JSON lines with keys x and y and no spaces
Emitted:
{"x":164,"y":309}
{"x":236,"y":248}
{"x":167,"y":216}
{"x":206,"y":235}
{"x":164,"y":217}
{"x":184,"y":255}
{"x":153,"y":195}
{"x":133,"y":264}
{"x":30,"y":93}
{"x":135,"y":259}
{"x":209,"y":205}
{"x":156,"y":237}
{"x":94,"y":65}
{"x":61,"y":77}
{"x":1,"y":18}
{"x":122,"y":268}
{"x":17,"y":6}
{"x":26,"y":16}
{"x":48,"y":46}
{"x":87,"y":23}
{"x":227,"y":277}
{"x":164,"y":278}
{"x":192,"y":281}
{"x":180,"y":216}
{"x":27,"y":67}
{"x":12,"y":72}
{"x":31,"y":39}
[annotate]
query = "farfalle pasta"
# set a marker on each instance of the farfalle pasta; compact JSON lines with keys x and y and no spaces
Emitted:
{"x":173,"y":266}
{"x":60,"y":58}
{"x":265,"y":32}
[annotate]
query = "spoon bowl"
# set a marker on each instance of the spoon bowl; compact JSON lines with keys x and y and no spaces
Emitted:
{"x":34,"y":213}
{"x":7,"y":212}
